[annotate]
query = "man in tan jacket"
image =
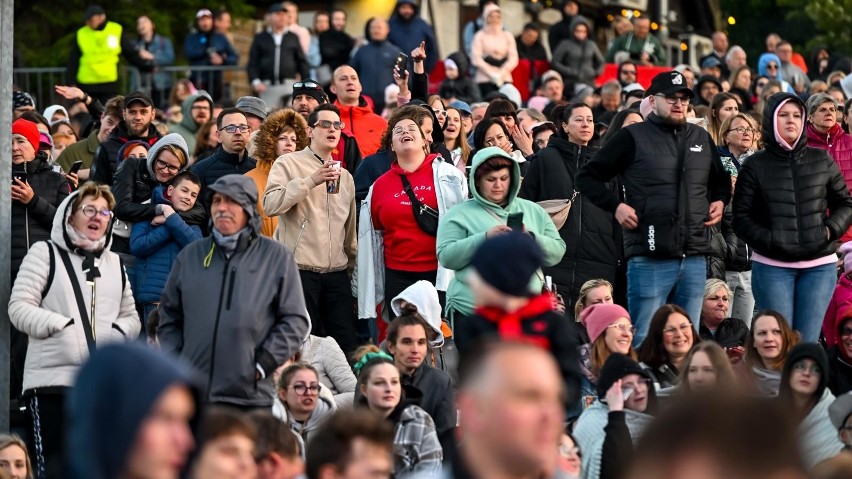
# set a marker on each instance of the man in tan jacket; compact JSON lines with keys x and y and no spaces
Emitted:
{"x":317,"y":222}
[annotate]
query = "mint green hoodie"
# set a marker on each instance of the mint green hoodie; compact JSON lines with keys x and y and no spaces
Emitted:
{"x":463,"y":229}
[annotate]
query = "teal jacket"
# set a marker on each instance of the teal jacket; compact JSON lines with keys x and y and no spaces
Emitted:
{"x":463,"y":229}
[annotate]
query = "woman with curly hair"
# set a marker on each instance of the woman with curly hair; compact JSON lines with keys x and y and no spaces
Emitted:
{"x":283,"y":132}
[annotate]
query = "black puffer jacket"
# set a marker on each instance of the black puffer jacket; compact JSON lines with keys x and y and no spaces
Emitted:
{"x":591,"y":234}
{"x":106,"y":158}
{"x":32,"y":222}
{"x":738,"y":253}
{"x":133,"y":186}
{"x":785,"y":200}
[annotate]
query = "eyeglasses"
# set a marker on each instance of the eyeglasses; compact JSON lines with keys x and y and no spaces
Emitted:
{"x":441,"y":113}
{"x":400,"y":130}
{"x":743,"y":130}
{"x":772,"y":66}
{"x":307,"y":84}
{"x":802,"y":367}
{"x":629,"y":72}
{"x":327,"y":124}
{"x":90,"y":211}
{"x":683,"y":328}
{"x":566,"y":451}
{"x":846,"y":332}
{"x":163,"y":166}
{"x":302,"y":389}
{"x":624,"y":328}
{"x":235,"y":128}
{"x":672,"y":100}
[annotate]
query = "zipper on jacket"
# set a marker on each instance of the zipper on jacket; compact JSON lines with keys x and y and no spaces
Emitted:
{"x":299,"y":238}
{"x":231,"y":287}
{"x":216,"y":331}
{"x":684,"y":225}
{"x":795,"y":175}
{"x":27,"y":225}
{"x":579,"y":219}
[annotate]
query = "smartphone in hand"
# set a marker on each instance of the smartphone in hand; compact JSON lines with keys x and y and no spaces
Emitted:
{"x":75,"y":167}
{"x":401,"y":63}
{"x":516,"y":221}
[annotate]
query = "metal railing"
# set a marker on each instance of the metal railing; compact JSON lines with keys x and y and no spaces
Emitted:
{"x":222,"y":81}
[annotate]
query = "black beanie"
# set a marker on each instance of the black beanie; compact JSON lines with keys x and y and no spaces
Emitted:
{"x":616,"y":367}
{"x":802,"y":351}
{"x":508,"y":262}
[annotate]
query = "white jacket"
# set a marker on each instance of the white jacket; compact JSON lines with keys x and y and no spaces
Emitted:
{"x":325,"y":355}
{"x":57,"y":345}
{"x":450,"y":188}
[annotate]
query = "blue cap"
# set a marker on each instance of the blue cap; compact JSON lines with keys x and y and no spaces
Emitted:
{"x":462,"y":107}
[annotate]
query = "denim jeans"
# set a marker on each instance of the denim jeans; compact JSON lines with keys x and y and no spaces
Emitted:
{"x":653,"y":282}
{"x":801,"y":295}
{"x":742,"y":301}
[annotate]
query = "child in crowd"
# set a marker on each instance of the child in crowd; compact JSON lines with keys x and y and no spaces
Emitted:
{"x":156,"y":244}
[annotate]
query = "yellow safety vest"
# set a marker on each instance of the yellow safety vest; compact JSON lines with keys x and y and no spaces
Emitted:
{"x":99,"y":54}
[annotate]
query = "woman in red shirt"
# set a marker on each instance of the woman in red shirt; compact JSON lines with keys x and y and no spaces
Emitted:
{"x":389,"y":229}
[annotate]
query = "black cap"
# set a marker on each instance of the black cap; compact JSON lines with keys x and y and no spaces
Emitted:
{"x":311,"y":88}
{"x":139,"y":96}
{"x":669,"y":83}
{"x":276,"y":7}
{"x":616,"y":367}
{"x":508,"y":262}
{"x":93,"y":10}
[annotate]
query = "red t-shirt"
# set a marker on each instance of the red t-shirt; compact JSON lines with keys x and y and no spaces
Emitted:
{"x":407,"y":247}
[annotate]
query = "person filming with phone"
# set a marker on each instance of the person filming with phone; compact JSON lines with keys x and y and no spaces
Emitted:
{"x":494,"y":181}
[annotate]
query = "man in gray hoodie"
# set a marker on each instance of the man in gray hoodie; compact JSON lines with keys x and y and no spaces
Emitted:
{"x":197,"y":110}
{"x":233,"y":305}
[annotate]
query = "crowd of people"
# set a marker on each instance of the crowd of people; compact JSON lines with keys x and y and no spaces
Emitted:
{"x":324,"y":280}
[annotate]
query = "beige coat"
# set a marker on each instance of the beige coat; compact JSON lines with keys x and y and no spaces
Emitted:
{"x":497,"y":43}
{"x":317,"y":226}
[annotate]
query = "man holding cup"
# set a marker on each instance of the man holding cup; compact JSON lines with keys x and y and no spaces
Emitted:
{"x":314,"y":199}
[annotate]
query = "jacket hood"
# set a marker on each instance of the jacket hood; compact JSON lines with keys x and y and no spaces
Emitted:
{"x":243,"y":190}
{"x":801,"y":351}
{"x":423,"y":295}
{"x":822,"y":139}
{"x":462,"y":62}
{"x":478,"y":159}
{"x":59,"y":233}
{"x":768,"y":126}
{"x":98,"y":444}
{"x":186,"y":108}
{"x":399,"y":3}
{"x":130,"y":145}
{"x":580,"y":20}
{"x":764,"y":60}
{"x":49,"y":111}
{"x":174,"y":139}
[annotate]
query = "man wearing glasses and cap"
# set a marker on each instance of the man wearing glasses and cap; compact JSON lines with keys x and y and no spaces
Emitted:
{"x":93,"y":59}
{"x":675,"y":188}
{"x":276,"y":59}
{"x":206,"y":47}
{"x":307,"y":95}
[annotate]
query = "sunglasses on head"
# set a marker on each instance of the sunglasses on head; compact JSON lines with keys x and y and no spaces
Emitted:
{"x":307,"y":84}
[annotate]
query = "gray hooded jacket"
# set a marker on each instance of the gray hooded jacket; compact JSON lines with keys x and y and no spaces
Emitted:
{"x":578,"y":61}
{"x":232,"y":316}
{"x":187,"y":128}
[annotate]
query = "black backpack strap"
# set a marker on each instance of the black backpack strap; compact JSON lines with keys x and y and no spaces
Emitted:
{"x":123,"y":272}
{"x":81,"y":303}
{"x":51,"y":269}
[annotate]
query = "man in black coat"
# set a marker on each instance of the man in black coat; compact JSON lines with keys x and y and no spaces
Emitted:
{"x":137,"y":125}
{"x":675,"y":188}
{"x":276,"y":58}
{"x":231,"y":157}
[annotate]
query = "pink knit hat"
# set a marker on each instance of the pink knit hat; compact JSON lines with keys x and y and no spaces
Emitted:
{"x":598,"y":317}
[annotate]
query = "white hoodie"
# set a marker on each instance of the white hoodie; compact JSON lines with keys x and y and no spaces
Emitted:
{"x":423,"y":295}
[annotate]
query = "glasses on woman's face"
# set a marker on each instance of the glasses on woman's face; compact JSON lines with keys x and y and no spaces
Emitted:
{"x":302,"y":389}
{"x":90,"y":211}
{"x":743,"y":130}
{"x":801,"y":367}
{"x":771,"y":66}
{"x":403,"y":129}
{"x":163,"y":166}
{"x":440,"y":113}
{"x":683,"y":328}
{"x":570,"y":451}
{"x":624,"y":328}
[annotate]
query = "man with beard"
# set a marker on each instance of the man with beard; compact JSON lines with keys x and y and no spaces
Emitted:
{"x":197,"y":110}
{"x":138,"y":115}
{"x":232,"y":132}
{"x":674,"y":188}
{"x":309,"y":94}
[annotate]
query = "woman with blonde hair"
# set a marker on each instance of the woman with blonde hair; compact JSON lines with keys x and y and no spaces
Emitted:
{"x":283,"y":132}
{"x":593,"y":291}
{"x":706,"y":368}
{"x":14,"y":458}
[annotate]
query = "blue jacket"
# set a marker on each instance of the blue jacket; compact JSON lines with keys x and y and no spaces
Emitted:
{"x":374,"y":64}
{"x":155,"y":249}
{"x":197,"y":43}
{"x":164,"y":55}
{"x":407,"y":34}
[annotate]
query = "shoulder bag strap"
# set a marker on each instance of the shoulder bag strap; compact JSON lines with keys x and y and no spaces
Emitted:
{"x":81,"y":304}
{"x":416,"y":204}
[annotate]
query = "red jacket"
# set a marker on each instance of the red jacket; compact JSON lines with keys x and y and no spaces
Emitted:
{"x":364,"y":125}
{"x":841,"y":302}
{"x":839,"y":144}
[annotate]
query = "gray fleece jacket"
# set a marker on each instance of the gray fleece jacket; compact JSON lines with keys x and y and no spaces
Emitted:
{"x":232,"y":316}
